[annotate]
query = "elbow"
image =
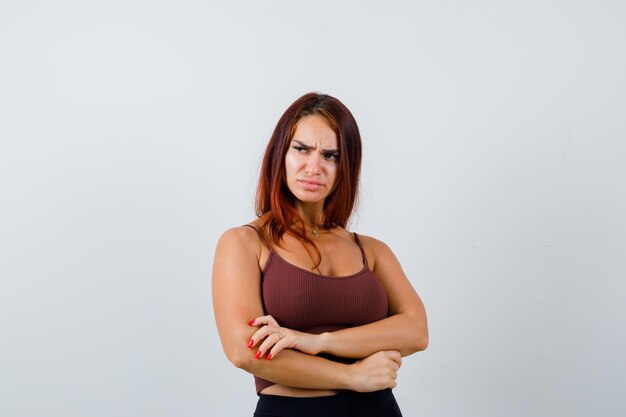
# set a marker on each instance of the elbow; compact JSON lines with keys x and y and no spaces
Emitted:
{"x":421,"y":338}
{"x":418,"y":344}
{"x":240,"y":358}
{"x":422,"y":343}
{"x":236,"y":350}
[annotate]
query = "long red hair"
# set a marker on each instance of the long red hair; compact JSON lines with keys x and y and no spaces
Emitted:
{"x":274,"y":199}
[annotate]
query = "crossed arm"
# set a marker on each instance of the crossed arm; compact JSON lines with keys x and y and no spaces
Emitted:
{"x":237,"y":300}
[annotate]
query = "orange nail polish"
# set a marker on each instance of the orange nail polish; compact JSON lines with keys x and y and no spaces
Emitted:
{"x":250,"y":343}
{"x":258,"y":354}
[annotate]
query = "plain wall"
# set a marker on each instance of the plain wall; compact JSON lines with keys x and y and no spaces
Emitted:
{"x":131,"y":134}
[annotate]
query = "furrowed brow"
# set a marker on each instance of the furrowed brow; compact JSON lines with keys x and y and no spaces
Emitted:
{"x":304,"y":145}
{"x":329,"y":150}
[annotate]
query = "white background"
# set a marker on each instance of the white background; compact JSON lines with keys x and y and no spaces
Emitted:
{"x":131,"y":134}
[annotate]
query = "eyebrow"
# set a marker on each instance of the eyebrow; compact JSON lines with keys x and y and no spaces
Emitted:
{"x":313,"y":148}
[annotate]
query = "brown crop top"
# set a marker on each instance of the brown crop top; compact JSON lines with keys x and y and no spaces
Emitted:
{"x":313,"y":303}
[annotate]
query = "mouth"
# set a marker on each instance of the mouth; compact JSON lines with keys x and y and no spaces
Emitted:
{"x":311,"y":185}
{"x":312,"y":182}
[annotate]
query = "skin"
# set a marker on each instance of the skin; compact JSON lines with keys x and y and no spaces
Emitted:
{"x":311,"y":166}
{"x":311,"y":173}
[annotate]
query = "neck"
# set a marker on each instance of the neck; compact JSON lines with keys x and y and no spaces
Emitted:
{"x":312,"y":215}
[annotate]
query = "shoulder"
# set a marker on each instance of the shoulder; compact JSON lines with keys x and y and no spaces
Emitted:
{"x":237,"y":234}
{"x":372,"y":242}
{"x":240,"y":239}
{"x":376,"y":250}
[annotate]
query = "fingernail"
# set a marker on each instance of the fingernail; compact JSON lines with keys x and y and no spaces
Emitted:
{"x":250,"y":343}
{"x":251,"y":322}
{"x":258,"y":354}
{"x":268,"y":357}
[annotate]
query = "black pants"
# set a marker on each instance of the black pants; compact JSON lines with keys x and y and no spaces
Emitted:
{"x":345,"y":404}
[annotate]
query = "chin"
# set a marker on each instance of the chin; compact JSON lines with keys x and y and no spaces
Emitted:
{"x":308,"y":198}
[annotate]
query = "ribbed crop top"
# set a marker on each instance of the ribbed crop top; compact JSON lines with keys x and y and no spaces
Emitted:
{"x":314,"y":303}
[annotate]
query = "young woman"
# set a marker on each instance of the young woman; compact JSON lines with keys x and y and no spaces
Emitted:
{"x":319,"y":315}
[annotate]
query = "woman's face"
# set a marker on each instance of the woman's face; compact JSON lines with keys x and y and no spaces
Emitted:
{"x":312,"y":161}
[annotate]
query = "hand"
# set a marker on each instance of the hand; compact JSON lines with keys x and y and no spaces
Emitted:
{"x":275,"y":338}
{"x":377,"y":371}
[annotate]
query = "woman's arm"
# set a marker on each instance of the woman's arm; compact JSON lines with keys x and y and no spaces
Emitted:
{"x":237,"y":297}
{"x":405,"y":330}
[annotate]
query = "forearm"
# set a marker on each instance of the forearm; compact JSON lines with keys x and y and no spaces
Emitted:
{"x":400,"y":332}
{"x":299,"y":370}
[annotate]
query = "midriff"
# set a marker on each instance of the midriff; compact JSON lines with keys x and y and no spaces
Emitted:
{"x":284,"y":391}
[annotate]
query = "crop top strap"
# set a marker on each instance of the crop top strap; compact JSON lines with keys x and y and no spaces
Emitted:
{"x":358,"y":242}
{"x":261,"y":237}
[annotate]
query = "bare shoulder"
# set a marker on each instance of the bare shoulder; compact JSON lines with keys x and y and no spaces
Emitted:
{"x":240,"y":239}
{"x":376,"y":246}
{"x":236,"y":260}
{"x":376,"y":250}
{"x":386,"y":266}
{"x":372,"y":242}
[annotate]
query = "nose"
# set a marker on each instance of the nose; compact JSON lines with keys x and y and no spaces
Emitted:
{"x":313,"y":166}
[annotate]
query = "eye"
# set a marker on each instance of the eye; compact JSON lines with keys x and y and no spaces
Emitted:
{"x":331,"y":156}
{"x":298,"y":148}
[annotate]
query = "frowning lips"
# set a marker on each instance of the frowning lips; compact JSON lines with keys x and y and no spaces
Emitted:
{"x":310,"y":184}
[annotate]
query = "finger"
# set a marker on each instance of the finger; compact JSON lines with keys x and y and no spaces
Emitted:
{"x":278,"y":347}
{"x":261,"y":334}
{"x":269,"y":341}
{"x":259,"y":321}
{"x":395,"y":356}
